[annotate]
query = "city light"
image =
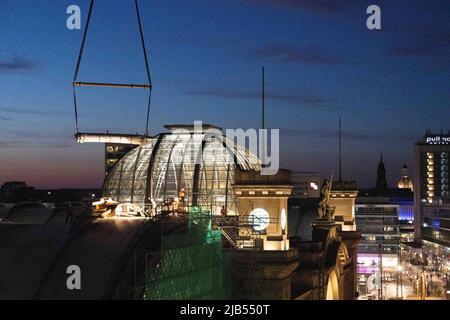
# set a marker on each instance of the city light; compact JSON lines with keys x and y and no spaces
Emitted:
{"x":283,"y":219}
{"x":265,"y":173}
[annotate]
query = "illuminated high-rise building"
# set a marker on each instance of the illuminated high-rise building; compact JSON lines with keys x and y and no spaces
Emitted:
{"x":306,"y":185}
{"x":114,"y":152}
{"x":432,"y":194}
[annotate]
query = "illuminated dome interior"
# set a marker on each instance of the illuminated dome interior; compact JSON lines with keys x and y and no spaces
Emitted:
{"x":201,"y":165}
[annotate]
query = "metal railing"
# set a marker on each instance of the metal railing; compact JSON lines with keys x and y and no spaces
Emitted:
{"x":240,"y":230}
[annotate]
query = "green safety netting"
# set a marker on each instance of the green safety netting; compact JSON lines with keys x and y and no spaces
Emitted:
{"x":192,"y":264}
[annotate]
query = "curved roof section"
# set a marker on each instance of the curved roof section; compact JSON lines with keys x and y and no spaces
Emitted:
{"x":27,"y":252}
{"x":30,"y":215}
{"x":35,"y":257}
{"x":4,"y":212}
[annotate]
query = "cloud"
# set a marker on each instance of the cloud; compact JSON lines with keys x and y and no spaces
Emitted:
{"x":34,"y":139}
{"x":13,"y":143}
{"x":324,"y":7}
{"x":28,"y":111}
{"x":36,"y":134}
{"x":16,"y":62}
{"x":288,"y":98}
{"x":305,"y":55}
{"x":33,"y":144}
{"x":423,"y":45}
{"x":61,"y":145}
{"x":320,"y":133}
{"x":5,"y":119}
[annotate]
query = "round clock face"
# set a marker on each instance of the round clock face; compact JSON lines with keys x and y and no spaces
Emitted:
{"x":259,"y":218}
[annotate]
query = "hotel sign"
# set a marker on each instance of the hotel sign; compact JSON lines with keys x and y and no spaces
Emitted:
{"x":438,"y":139}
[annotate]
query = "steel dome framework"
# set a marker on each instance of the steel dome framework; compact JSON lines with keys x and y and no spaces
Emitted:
{"x":200,"y":163}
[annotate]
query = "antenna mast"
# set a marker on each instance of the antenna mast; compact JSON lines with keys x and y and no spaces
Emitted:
{"x":263,"y":97}
{"x":340,"y":149}
{"x":263,"y":151}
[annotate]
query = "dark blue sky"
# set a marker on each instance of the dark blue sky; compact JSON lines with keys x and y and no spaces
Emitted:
{"x":205,"y":57}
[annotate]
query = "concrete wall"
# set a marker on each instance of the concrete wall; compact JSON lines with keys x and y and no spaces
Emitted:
{"x":263,"y":274}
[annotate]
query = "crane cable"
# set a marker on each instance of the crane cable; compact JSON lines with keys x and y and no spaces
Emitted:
{"x":147,"y":68}
{"x":80,"y":55}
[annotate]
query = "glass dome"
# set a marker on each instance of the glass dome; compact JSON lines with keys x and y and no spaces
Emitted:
{"x":196,"y":169}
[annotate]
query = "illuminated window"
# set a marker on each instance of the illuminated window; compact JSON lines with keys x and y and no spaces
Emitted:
{"x":283,"y":219}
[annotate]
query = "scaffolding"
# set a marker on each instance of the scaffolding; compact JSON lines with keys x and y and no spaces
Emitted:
{"x":192,"y":264}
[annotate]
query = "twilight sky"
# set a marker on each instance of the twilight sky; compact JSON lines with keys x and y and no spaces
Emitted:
{"x":205,"y":58}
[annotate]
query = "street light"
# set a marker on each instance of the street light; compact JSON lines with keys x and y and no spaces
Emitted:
{"x":283,"y":227}
{"x":447,"y":277}
{"x":423,"y":293}
{"x":399,"y":279}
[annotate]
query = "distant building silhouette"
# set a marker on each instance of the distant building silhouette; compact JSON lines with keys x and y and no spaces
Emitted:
{"x":381,"y":176}
{"x":13,"y":191}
